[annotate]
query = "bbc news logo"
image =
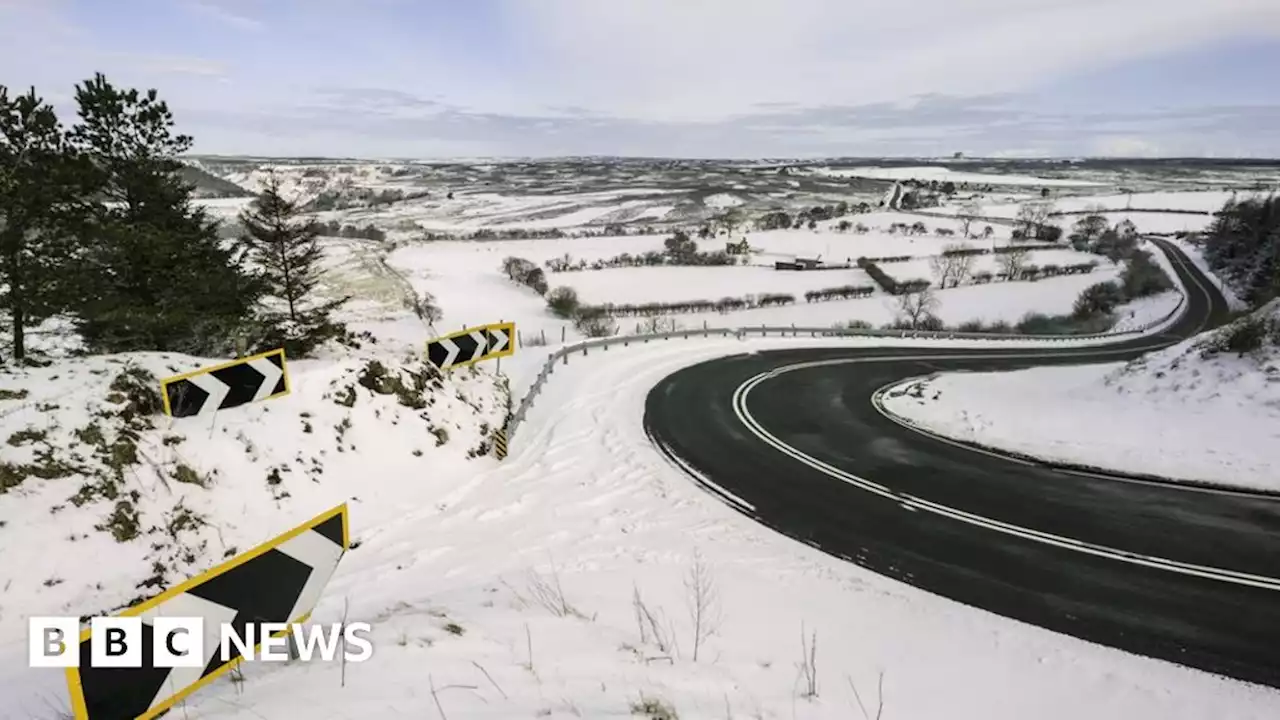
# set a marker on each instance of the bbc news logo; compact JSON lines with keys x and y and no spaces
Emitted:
{"x":182,"y":642}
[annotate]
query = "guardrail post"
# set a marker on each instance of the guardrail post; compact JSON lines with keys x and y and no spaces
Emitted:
{"x":566,"y":358}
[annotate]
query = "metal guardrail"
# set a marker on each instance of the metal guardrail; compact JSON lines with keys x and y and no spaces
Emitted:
{"x":561,"y":356}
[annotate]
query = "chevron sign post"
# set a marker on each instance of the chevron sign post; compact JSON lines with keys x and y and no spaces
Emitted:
{"x":472,"y":345}
{"x":279,"y":581}
{"x":239,"y":382}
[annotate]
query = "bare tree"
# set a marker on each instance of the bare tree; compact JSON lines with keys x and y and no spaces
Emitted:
{"x":969,"y":212}
{"x":1012,"y":263}
{"x":1032,"y":216}
{"x":703,"y":602}
{"x":952,"y":267}
{"x":731,"y":220}
{"x":914,"y":308}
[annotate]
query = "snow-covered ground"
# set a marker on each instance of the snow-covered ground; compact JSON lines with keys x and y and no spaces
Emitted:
{"x":1186,"y":413}
{"x":943,"y":174}
{"x":459,"y":557}
{"x":225,"y":208}
{"x":467,"y":282}
{"x":1205,"y":202}
{"x":453,"y":555}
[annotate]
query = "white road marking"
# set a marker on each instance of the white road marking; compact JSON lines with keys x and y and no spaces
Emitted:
{"x":744,"y":415}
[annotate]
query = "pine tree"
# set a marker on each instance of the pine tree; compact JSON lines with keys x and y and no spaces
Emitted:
{"x":159,"y":277}
{"x":43,"y":193}
{"x":286,"y":250}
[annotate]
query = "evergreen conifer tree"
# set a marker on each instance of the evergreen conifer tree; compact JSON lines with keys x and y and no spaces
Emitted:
{"x":158,"y":276}
{"x":44,"y":191}
{"x":285,"y":249}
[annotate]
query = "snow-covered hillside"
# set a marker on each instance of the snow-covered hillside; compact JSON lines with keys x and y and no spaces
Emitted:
{"x":133,"y":499}
{"x":1206,"y":410}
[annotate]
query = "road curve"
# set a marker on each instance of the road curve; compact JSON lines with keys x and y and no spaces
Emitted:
{"x":793,"y":439}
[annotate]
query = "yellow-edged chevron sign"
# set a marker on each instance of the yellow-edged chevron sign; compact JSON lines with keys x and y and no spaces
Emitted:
{"x":239,"y":382}
{"x":472,"y":345}
{"x":279,"y":581}
{"x":500,"y":443}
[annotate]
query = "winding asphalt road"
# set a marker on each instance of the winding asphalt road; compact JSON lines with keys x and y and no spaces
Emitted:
{"x":793,"y":439}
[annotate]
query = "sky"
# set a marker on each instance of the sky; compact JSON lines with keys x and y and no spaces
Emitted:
{"x":675,"y":78}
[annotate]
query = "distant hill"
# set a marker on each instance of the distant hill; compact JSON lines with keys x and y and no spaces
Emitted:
{"x":212,"y":186}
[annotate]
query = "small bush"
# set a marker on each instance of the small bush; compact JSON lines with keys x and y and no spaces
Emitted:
{"x":1142,"y":277}
{"x":1098,"y":299}
{"x":564,"y":302}
{"x":595,"y":323}
{"x":188,"y":476}
{"x":1247,"y":335}
{"x":930,"y":322}
{"x":123,"y":522}
{"x":653,"y":708}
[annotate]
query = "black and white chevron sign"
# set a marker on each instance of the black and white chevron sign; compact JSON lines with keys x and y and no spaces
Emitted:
{"x":208,"y":390}
{"x":278,"y":581}
{"x":471,"y":346}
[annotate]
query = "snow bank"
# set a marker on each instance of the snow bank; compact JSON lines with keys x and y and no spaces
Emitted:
{"x":121,"y":498}
{"x":1117,"y":416}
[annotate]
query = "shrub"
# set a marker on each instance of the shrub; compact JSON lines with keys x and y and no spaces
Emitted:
{"x":1142,"y":277}
{"x":595,"y":322}
{"x":930,"y":322}
{"x":563,"y":301}
{"x":1041,"y":324}
{"x":1246,"y":335}
{"x":1098,"y":299}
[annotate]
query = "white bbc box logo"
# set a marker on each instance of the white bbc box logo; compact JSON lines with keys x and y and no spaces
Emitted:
{"x":116,"y":642}
{"x":53,"y":642}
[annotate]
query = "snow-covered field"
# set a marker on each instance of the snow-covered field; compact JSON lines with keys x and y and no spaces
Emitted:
{"x":943,"y":174}
{"x":1205,"y":202}
{"x":1183,"y":413}
{"x":467,"y":282}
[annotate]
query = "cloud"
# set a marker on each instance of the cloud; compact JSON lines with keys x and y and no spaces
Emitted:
{"x":701,"y":59}
{"x":159,"y":65}
{"x":707,"y":78}
{"x":928,"y":125}
{"x":221,"y":13}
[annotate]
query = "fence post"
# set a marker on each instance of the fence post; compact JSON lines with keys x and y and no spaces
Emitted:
{"x":543,"y":334}
{"x":562,"y":329}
